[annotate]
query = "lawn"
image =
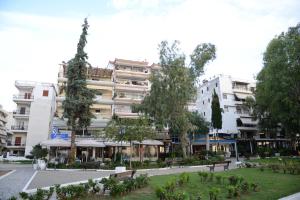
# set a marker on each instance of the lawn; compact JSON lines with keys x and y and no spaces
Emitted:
{"x":271,"y":185}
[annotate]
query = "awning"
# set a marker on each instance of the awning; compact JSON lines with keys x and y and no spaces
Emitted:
{"x":116,"y":144}
{"x":56,"y":143}
{"x":203,"y":142}
{"x":89,"y":143}
{"x":248,"y":121}
{"x":150,"y":142}
{"x":243,"y":96}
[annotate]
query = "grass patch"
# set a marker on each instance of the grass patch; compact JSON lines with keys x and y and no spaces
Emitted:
{"x":276,"y":160}
{"x":271,"y":185}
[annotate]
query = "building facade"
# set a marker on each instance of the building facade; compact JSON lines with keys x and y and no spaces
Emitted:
{"x":32,"y":120}
{"x":237,"y":121}
{"x":4,"y":133}
{"x":119,"y":86}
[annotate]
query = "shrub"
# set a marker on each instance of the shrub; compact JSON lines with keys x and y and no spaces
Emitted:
{"x":236,"y":192}
{"x":93,"y":186}
{"x":254,"y":187}
{"x":214,"y":193}
{"x":211,"y":177}
{"x":274,"y":167}
{"x":233,"y":180}
{"x":183,"y":178}
{"x":118,"y":189}
{"x":142,"y":180}
{"x":203,"y":176}
{"x":218,"y":178}
{"x":160,"y":193}
{"x":230,"y":189}
{"x":245,"y":187}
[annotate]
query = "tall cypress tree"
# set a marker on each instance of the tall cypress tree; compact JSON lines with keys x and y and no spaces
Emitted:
{"x":78,"y":97}
{"x":216,"y":112}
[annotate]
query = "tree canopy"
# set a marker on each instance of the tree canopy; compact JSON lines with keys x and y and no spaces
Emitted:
{"x":278,"y":83}
{"x":216,"y":112}
{"x":174,"y":86}
{"x":78,"y":97}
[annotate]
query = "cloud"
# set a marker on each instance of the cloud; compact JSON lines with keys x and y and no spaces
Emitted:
{"x":34,"y":45}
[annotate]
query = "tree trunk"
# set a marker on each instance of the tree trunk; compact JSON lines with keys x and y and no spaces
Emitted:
{"x":183,"y":142}
{"x":73,"y":148}
{"x":207,"y":142}
{"x":140,"y":155}
{"x":130,"y":155}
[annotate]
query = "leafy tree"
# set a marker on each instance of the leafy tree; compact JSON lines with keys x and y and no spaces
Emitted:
{"x":278,"y":83}
{"x":173,"y":87}
{"x":78,"y":97}
{"x":129,"y":130}
{"x":39,"y":152}
{"x":199,"y":125}
{"x":216,"y":113}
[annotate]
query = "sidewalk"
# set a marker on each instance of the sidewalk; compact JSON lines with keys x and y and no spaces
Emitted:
{"x":292,"y":197}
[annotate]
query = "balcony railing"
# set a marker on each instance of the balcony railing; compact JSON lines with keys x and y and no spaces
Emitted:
{"x":15,"y":144}
{"x":26,"y":97}
{"x":19,"y":128}
{"x":19,"y":112}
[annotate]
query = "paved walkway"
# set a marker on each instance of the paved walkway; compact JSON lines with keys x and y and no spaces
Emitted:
{"x":292,"y":197}
{"x":52,"y":177}
{"x":13,"y":183}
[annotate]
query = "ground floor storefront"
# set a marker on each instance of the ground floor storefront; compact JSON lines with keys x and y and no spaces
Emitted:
{"x":92,"y":150}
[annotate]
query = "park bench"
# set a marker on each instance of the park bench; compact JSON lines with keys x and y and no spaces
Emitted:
{"x":224,"y":164}
{"x":121,"y":176}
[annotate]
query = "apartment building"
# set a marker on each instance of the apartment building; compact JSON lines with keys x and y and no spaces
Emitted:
{"x":131,"y":84}
{"x":32,"y":119}
{"x":237,"y":120}
{"x":119,"y":86}
{"x":4,"y":133}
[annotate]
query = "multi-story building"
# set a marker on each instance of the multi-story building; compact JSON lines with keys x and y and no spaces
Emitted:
{"x":236,"y":117}
{"x":4,"y":133}
{"x":119,"y":86}
{"x":32,"y":119}
{"x":131,"y":84}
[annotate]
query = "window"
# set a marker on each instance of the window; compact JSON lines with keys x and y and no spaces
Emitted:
{"x":45,"y":93}
{"x":203,"y":102}
{"x":224,"y":96}
{"x":27,"y":95}
{"x":97,"y":111}
{"x":226,"y":109}
{"x":203,"y":113}
{"x":208,"y":100}
{"x":207,"y":88}
{"x":18,"y":141}
{"x":216,"y":84}
{"x":202,"y":91}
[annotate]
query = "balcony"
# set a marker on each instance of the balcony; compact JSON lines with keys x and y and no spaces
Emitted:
{"x":21,"y":114}
{"x":23,"y":98}
{"x":134,"y":87}
{"x":15,"y":145}
{"x":132,"y":74}
{"x":20,"y":128}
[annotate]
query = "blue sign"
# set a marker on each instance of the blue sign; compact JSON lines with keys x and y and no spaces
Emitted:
{"x":57,"y":135}
{"x":63,"y":136}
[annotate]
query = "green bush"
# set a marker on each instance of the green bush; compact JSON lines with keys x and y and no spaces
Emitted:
{"x":183,"y":178}
{"x":245,"y":187}
{"x":214,"y":193}
{"x":218,"y":178}
{"x":230,"y":189}
{"x":203,"y":176}
{"x":233,"y":180}
{"x":254,"y":187}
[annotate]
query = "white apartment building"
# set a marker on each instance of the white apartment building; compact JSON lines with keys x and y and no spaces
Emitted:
{"x":236,"y":118}
{"x":4,"y":133}
{"x":32,"y":119}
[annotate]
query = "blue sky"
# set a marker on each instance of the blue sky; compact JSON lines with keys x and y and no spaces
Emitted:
{"x":35,"y":36}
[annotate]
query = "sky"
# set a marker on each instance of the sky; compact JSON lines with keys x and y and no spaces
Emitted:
{"x":36,"y":36}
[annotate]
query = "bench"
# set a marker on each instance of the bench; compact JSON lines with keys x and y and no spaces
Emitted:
{"x":224,"y":164}
{"x":121,"y":176}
